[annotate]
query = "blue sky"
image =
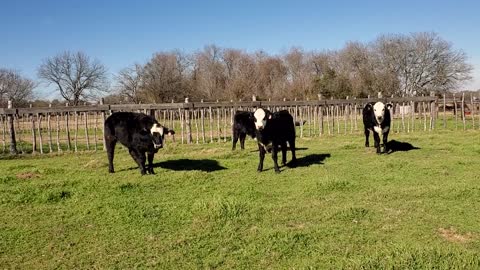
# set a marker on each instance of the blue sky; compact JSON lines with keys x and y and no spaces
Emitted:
{"x":120,"y":33}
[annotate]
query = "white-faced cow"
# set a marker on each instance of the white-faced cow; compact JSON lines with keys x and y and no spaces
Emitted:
{"x":274,"y":130}
{"x":138,"y":132}
{"x":376,"y":118}
{"x":243,"y":125}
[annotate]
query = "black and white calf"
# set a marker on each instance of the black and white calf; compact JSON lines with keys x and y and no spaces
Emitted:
{"x":376,"y":118}
{"x":243,"y":125}
{"x":138,"y":132}
{"x":274,"y":130}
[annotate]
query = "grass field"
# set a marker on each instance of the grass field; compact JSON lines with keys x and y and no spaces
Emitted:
{"x":207,"y":207}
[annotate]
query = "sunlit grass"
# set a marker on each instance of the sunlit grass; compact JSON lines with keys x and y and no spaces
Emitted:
{"x":207,"y":207}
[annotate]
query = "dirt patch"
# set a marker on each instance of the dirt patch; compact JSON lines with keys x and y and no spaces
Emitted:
{"x":27,"y":175}
{"x":451,"y":235}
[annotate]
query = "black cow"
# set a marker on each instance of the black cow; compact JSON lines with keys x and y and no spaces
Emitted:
{"x":138,"y":132}
{"x":376,"y":118}
{"x":274,"y":130}
{"x":243,"y":125}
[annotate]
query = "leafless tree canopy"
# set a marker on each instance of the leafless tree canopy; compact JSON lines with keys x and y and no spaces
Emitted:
{"x":129,"y":82}
{"x":15,"y":87}
{"x":75,"y":76}
{"x":411,"y":64}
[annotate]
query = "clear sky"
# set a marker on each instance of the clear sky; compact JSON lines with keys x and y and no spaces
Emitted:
{"x":120,"y":33}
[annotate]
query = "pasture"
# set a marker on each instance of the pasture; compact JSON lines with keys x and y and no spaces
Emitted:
{"x":343,"y":207}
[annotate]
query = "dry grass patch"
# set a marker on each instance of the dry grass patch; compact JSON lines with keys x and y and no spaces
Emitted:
{"x":451,"y":235}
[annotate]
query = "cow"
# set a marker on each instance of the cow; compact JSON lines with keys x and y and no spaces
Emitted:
{"x":243,"y":125}
{"x":376,"y":118}
{"x":274,"y":130}
{"x":139,"y":132}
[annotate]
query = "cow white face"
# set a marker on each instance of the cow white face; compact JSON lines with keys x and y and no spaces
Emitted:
{"x":157,"y":132}
{"x":260,"y":119}
{"x":379,"y":111}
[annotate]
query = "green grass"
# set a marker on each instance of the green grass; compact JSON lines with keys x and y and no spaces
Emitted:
{"x":207,"y":207}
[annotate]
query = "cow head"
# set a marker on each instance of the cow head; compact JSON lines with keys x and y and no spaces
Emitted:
{"x":379,"y":111}
{"x":260,"y":117}
{"x":158,"y":132}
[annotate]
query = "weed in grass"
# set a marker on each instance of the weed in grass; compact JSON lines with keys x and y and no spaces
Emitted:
{"x":57,"y":196}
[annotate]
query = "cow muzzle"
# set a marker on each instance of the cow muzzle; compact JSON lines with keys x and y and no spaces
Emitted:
{"x":157,"y":146}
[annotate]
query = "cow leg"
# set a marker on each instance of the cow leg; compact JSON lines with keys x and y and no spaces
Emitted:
{"x":385,"y":140}
{"x":292,"y":148}
{"x":110,"y":144}
{"x":284,"y":153}
{"x":150,"y":162}
{"x":367,"y":134}
{"x":242,"y":140}
{"x":139,"y":158}
{"x":275,"y":157}
{"x":376,"y":137}
{"x":235,"y":139}
{"x":261,"y":151}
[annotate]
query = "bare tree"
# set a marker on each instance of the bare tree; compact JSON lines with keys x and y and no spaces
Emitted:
{"x":129,"y":81}
{"x":272,"y":76}
{"x":423,"y":62}
{"x":15,"y":87}
{"x":165,"y":77}
{"x":299,"y":74}
{"x":210,"y":72}
{"x":241,"y":74}
{"x":75,"y":76}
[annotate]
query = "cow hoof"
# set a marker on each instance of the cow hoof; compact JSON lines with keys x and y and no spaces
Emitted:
{"x":277,"y":171}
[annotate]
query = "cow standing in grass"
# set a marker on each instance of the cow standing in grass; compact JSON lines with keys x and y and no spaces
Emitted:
{"x":140,"y":133}
{"x":274,"y":130}
{"x":243,"y":125}
{"x":376,"y":118}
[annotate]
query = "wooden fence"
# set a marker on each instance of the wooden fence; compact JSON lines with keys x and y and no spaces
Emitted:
{"x":57,"y":129}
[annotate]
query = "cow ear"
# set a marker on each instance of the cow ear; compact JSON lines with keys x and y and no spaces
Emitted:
{"x":368,"y":107}
{"x":389,"y":106}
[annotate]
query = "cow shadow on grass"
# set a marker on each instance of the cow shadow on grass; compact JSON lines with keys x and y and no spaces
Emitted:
{"x":396,"y":146}
{"x":308,"y":160}
{"x":205,"y":165}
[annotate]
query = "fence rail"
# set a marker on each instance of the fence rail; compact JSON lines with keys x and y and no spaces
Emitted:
{"x":76,"y":128}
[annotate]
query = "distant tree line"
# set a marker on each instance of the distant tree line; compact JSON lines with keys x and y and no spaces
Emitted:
{"x":393,"y":64}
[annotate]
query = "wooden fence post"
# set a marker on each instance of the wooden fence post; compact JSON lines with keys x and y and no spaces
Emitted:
{"x":102,"y":101}
{"x":188,"y":124}
{"x":69,"y":145}
{"x":11,"y":128}
{"x":444,"y":112}
{"x":463,"y":111}
{"x":49,"y":130}
{"x":40,"y":139}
